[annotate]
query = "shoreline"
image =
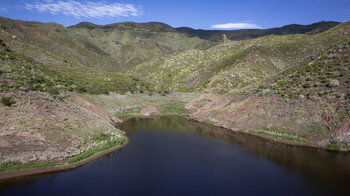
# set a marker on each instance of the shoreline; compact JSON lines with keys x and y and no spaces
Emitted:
{"x":59,"y":168}
{"x":269,"y":138}
{"x":151,"y":116}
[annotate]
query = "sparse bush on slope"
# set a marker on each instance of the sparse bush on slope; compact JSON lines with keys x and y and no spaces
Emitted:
{"x":7,"y":101}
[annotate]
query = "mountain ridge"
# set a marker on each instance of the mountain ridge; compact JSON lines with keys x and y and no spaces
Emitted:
{"x":216,"y":35}
{"x":241,"y":34}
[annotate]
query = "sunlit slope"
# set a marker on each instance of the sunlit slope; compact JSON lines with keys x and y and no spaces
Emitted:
{"x":238,"y":64}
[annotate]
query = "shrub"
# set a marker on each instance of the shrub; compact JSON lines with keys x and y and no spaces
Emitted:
{"x":81,"y":89}
{"x":11,"y":165}
{"x":53,"y":91}
{"x":5,"y":86}
{"x":307,"y":85}
{"x":333,"y":83}
{"x":7,"y":101}
{"x":221,"y":91}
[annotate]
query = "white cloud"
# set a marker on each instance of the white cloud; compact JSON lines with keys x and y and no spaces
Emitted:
{"x":87,"y":9}
{"x":239,"y":25}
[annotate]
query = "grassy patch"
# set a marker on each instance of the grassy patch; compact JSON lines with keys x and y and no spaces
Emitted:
{"x":174,"y":107}
{"x":333,"y":145}
{"x":155,"y":113}
{"x":336,"y":144}
{"x":130,"y":112}
{"x":18,"y":165}
{"x":211,"y":121}
{"x":94,"y":151}
{"x":281,"y":136}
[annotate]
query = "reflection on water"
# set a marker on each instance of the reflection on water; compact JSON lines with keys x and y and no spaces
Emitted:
{"x":330,"y":170}
{"x":166,"y":156}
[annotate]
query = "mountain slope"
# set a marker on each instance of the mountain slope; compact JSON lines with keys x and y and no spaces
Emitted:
{"x":20,"y":72}
{"x":237,"y":64}
{"x":130,"y":44}
{"x":216,"y":35}
{"x":121,"y":46}
{"x":305,"y":102}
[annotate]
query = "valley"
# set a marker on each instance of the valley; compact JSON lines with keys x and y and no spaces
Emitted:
{"x":63,"y":89}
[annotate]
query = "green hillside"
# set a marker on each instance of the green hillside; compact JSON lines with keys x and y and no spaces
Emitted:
{"x":121,"y":46}
{"x":237,"y":65}
{"x":290,"y":83}
{"x":20,"y":72}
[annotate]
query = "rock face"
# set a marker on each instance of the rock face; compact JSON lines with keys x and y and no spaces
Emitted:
{"x":224,"y":39}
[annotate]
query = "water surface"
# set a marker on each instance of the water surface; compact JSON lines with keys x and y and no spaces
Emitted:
{"x":172,"y":156}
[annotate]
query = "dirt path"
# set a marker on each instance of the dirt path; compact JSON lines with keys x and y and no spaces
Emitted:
{"x":148,"y":110}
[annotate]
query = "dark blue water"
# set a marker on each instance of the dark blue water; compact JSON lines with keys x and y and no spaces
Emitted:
{"x":172,"y":156}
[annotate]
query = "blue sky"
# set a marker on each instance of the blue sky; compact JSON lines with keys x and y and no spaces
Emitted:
{"x":205,"y":14}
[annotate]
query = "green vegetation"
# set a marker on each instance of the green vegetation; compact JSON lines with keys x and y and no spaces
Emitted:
{"x":280,"y":136}
{"x":89,"y":153}
{"x":155,"y":113}
{"x":319,"y":77}
{"x":173,"y":107}
{"x":23,"y":73}
{"x":337,"y":145}
{"x":211,"y":121}
{"x":12,"y":165}
{"x":53,"y":91}
{"x":7,"y":101}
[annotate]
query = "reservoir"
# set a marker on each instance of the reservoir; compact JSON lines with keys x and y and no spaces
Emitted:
{"x":170,"y":155}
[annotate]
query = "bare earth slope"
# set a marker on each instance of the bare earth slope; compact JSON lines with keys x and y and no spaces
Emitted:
{"x":40,"y":128}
